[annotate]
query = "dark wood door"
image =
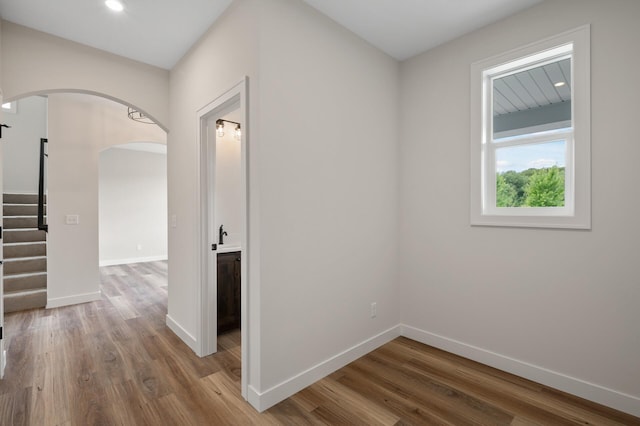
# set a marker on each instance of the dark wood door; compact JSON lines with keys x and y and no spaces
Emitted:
{"x":228,"y":291}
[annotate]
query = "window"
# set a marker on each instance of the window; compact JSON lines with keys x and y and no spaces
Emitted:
{"x":530,"y":141}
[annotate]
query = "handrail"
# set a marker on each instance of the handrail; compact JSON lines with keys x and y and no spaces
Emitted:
{"x":41,"y":225}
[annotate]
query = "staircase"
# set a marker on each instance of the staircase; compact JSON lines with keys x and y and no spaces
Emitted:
{"x":25,"y":254}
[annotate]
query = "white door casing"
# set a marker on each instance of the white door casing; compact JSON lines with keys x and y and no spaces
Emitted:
{"x":232,"y":100}
{"x":3,"y":353}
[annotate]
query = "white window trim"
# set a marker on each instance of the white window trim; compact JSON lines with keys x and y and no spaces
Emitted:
{"x":575,"y":216}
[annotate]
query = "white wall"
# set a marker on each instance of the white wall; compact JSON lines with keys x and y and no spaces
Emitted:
{"x":328,"y":182}
{"x":20,"y":167}
{"x":132,"y":206}
{"x":36,"y":62}
{"x":80,"y":126}
{"x":228,"y":200}
{"x":565,"y":301}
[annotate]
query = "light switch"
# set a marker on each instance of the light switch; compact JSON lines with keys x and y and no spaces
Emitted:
{"x":174,"y":221}
{"x":72,"y":219}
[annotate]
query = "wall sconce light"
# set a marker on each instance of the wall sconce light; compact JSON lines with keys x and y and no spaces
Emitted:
{"x":220,"y":128}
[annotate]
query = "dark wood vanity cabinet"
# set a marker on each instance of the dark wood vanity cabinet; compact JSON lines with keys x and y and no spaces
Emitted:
{"x":228,"y":291}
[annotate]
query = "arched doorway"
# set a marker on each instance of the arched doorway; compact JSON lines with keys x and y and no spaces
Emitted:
{"x":79,"y":126}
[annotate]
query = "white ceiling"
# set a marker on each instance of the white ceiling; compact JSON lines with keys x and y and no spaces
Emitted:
{"x":405,"y":28}
{"x":159,"y":32}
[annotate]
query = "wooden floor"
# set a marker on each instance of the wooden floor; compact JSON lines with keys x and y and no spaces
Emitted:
{"x":114,"y":362}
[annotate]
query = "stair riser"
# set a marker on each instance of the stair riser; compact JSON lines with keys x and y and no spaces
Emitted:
{"x":31,"y":210}
{"x":20,"y":222}
{"x":16,"y":302}
{"x":31,"y":282}
{"x":24,"y":236}
{"x":21,"y":198}
{"x":28,"y":250}
{"x":25,"y":266}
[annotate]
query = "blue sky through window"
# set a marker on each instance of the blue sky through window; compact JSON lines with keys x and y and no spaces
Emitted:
{"x":534,"y":156}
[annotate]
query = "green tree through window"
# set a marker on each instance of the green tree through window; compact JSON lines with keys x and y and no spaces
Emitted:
{"x":505,"y":192}
{"x":545,"y":188}
{"x":531,"y":188}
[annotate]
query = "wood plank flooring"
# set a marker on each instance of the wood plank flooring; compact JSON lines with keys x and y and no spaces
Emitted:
{"x":114,"y":362}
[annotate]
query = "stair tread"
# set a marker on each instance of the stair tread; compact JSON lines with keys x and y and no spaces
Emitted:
{"x":19,"y":274}
{"x":24,"y":275}
{"x":25,"y":247}
{"x":23,"y":217}
{"x":16,"y":293}
{"x":18,"y":259}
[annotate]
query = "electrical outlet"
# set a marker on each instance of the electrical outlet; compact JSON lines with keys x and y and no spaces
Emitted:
{"x":72,"y":219}
{"x":374,"y":310}
{"x":139,"y":247}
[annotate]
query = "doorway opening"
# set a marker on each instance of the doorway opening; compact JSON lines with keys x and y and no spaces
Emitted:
{"x":132,"y":188}
{"x":223,"y":219}
{"x":79,"y":126}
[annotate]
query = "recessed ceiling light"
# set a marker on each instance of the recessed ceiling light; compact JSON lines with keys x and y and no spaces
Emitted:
{"x":114,"y":5}
{"x":560,"y":84}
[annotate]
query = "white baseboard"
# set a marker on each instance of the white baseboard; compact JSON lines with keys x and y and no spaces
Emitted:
{"x":73,"y":300}
{"x":602,"y":395}
{"x":183,"y":334}
{"x":130,"y":260}
{"x":3,"y":363}
{"x":264,"y":400}
{"x":620,"y":401}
